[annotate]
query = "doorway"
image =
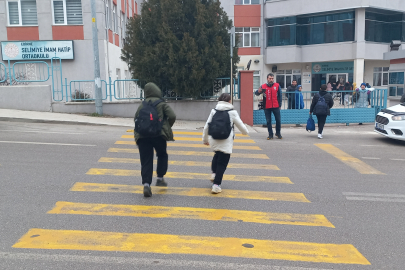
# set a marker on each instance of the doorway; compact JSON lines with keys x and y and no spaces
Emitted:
{"x":337,"y":78}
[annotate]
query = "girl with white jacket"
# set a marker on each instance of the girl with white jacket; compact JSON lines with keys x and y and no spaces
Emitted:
{"x":222,"y":148}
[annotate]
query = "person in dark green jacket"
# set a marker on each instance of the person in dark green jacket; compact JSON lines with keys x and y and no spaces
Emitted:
{"x":146,"y":145}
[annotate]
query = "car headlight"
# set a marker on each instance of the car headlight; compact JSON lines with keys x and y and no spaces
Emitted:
{"x":398,"y":118}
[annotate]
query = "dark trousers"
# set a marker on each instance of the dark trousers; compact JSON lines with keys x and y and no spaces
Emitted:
{"x":146,"y":146}
{"x":321,"y":122}
{"x":218,"y":166}
{"x":276,"y":112}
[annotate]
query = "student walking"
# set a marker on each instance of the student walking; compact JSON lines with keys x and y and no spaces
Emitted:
{"x":219,"y":134}
{"x":153,"y":128}
{"x":321,"y":104}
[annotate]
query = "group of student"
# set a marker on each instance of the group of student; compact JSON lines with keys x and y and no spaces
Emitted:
{"x":153,"y":128}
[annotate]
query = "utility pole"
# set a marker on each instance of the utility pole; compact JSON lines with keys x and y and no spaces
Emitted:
{"x":231,"y":45}
{"x":97,"y":80}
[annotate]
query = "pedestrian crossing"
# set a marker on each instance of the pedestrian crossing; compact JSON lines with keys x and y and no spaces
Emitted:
{"x":122,"y":161}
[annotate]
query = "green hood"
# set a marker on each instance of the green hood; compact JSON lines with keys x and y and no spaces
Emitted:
{"x":152,"y":90}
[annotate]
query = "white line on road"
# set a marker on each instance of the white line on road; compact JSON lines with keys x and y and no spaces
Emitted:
{"x":398,"y":159}
{"x":373,"y":194}
{"x":39,"y":131}
{"x":372,"y":145}
{"x":158,"y":263}
{"x":374,"y":199}
{"x":370,"y":158}
{"x":63,"y":144}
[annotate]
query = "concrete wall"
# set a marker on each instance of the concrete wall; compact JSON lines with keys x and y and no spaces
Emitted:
{"x":193,"y":110}
{"x":26,"y":97}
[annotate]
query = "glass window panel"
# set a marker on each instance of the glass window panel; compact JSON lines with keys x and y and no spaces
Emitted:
{"x":239,"y":38}
{"x":288,"y":71}
{"x":280,"y":80}
{"x":74,"y":12}
{"x":246,"y":1}
{"x":296,"y":71}
{"x":246,"y":29}
{"x":297,"y":78}
{"x":29,"y":12}
{"x":385,"y":68}
{"x":376,"y":69}
{"x":377,"y":79}
{"x":246,"y":40}
{"x":238,"y":29}
{"x":385,"y":79}
{"x":58,"y":12}
{"x":255,"y":2}
{"x":280,"y":71}
{"x":255,"y":40}
{"x":397,"y":78}
{"x":400,"y":91}
{"x":255,"y":29}
{"x":393,"y":91}
{"x":256,"y":82}
{"x":13,"y":13}
{"x":288,"y":80}
{"x":238,"y":2}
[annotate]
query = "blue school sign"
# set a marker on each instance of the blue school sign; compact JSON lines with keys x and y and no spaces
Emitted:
{"x":332,"y":67}
{"x":36,"y":50}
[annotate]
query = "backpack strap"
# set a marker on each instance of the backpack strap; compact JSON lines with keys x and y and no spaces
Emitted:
{"x":154,"y":104}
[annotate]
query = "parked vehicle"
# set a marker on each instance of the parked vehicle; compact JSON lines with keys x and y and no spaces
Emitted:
{"x":390,"y":122}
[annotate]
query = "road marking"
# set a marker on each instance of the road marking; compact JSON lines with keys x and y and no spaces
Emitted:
{"x":193,"y":163}
{"x":193,"y":192}
{"x":244,"y":147}
{"x":190,"y":153}
{"x":189,"y":213}
{"x":45,"y":132}
{"x":195,"y":133}
{"x":42,"y":143}
{"x":398,"y":159}
{"x":186,"y":175}
{"x":370,"y":158}
{"x":347,"y":159}
{"x":193,"y":139}
{"x":142,"y":263}
{"x":376,"y":197}
{"x":195,"y":245}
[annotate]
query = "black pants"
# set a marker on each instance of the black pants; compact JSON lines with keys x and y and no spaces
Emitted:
{"x":218,"y":166}
{"x":146,"y":146}
{"x":276,"y":112}
{"x":321,"y":122}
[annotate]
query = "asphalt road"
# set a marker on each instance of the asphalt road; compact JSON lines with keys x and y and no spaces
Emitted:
{"x":69,"y":199}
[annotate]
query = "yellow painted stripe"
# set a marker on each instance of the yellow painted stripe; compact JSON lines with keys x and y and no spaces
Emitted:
{"x":189,"y":213}
{"x":192,"y":163}
{"x":187,"y":175}
{"x":347,"y":159}
{"x":170,"y":144}
{"x":190,"y":153}
{"x":195,"y":245}
{"x":193,"y":192}
{"x":193,"y":139}
{"x":192,"y":133}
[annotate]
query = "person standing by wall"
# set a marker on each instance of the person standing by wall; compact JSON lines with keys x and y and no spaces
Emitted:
{"x":320,"y":106}
{"x":290,"y":94}
{"x":272,"y":98}
{"x":221,"y":147}
{"x":299,"y":98}
{"x":361,"y":97}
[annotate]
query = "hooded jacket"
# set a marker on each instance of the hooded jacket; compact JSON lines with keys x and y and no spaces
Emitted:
{"x":153,"y":93}
{"x":328,"y":100}
{"x":226,"y":145}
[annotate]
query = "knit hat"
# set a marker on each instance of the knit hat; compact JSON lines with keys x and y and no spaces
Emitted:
{"x":363,"y":84}
{"x":298,"y":86}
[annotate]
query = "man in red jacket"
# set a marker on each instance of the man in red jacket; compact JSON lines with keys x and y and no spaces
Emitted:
{"x":272,"y":98}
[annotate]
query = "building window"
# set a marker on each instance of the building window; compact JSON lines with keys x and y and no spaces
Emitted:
{"x":285,"y":77}
{"x":380,"y":76}
{"x":281,"y":31}
{"x":256,"y":79}
{"x":22,"y":12}
{"x":67,"y":12}
{"x":396,"y":81}
{"x":384,"y":27}
{"x":247,"y":2}
{"x":114,"y":19}
{"x":247,"y":36}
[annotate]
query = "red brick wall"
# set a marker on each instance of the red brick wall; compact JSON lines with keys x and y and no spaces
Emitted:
{"x":249,"y":51}
{"x":247,"y":15}
{"x":23,"y":33}
{"x":64,"y":32}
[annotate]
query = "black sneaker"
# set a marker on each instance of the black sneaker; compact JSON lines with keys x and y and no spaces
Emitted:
{"x":279,"y":136}
{"x":147,"y":192}
{"x":161,"y":183}
{"x":270,"y":138}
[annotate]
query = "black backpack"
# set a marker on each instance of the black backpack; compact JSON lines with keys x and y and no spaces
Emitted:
{"x":148,"y":123}
{"x":220,"y":127}
{"x":321,"y":108}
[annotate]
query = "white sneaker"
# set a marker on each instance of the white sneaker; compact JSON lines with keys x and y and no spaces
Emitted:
{"x":212,"y":177}
{"x":216,"y":189}
{"x":320,"y":136}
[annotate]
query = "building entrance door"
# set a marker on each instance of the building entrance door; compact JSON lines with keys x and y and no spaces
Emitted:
{"x":337,"y":78}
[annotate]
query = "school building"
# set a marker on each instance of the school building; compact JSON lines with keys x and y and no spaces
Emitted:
{"x":316,"y":41}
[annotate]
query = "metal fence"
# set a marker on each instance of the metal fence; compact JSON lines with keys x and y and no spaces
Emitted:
{"x":345,"y":110}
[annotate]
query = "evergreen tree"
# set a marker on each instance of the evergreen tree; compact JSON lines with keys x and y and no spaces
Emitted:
{"x":181,"y":45}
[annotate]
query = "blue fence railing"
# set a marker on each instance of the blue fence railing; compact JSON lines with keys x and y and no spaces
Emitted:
{"x":3,"y":73}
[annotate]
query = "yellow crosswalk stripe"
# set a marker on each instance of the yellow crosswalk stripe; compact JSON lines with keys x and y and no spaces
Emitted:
{"x":193,"y":139}
{"x":170,"y":144}
{"x":192,"y":192}
{"x":186,"y":244}
{"x":189,"y":153}
{"x":191,"y":133}
{"x":347,"y":159}
{"x":192,"y":163}
{"x":187,"y":175}
{"x":189,"y":213}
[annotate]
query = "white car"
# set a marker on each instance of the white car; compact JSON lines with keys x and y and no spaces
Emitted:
{"x":391,"y":122}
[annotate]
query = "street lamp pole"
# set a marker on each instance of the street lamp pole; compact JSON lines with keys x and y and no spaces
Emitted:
{"x":97,"y":80}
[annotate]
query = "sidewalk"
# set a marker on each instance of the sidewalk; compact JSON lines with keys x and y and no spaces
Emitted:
{"x":78,"y":119}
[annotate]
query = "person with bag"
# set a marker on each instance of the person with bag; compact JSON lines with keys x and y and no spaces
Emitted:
{"x":320,"y":106}
{"x":219,"y":134}
{"x":272,"y":98}
{"x":153,"y":128}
